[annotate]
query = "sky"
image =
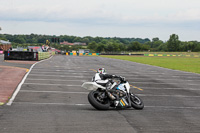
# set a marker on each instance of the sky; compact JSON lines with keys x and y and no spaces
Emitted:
{"x":103,"y":18}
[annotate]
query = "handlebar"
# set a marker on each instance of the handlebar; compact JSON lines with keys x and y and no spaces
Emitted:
{"x":122,"y":79}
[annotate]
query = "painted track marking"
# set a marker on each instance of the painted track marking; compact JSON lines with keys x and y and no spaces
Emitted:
{"x":19,"y":86}
{"x":67,"y":92}
{"x":85,"y":104}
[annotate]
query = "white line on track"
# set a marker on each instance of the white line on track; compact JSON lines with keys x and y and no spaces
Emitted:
{"x":192,"y":89}
{"x":20,"y":84}
{"x":65,"y":70}
{"x":88,"y":81}
{"x":89,"y":76}
{"x":158,"y":79}
{"x":146,"y":95}
{"x":152,"y":83}
{"x":50,"y":84}
{"x":172,"y":107}
{"x":81,"y":76}
{"x":182,"y":96}
{"x":83,"y":104}
{"x":159,"y":83}
{"x":56,"y":71}
{"x":78,"y":104}
{"x":67,"y":92}
{"x":62,"y":73}
{"x":56,"y":80}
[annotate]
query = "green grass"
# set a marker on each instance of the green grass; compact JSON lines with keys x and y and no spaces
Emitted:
{"x":176,"y":63}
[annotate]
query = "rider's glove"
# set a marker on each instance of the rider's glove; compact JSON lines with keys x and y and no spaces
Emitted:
{"x":122,"y":78}
{"x":115,"y":76}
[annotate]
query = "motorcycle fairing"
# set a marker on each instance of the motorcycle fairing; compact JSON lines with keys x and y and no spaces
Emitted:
{"x":92,"y":86}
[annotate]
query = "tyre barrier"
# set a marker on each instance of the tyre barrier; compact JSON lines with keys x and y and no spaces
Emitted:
{"x":82,"y":54}
{"x":123,"y":54}
{"x":172,"y":55}
{"x":94,"y":54}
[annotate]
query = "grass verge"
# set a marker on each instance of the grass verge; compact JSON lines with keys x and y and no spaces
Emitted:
{"x":176,"y":63}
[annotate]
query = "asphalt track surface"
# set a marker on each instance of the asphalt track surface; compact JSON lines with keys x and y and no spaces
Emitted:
{"x":11,"y":74}
{"x":51,"y":99}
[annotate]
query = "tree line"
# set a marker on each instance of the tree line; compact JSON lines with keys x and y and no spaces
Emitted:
{"x":105,"y":44}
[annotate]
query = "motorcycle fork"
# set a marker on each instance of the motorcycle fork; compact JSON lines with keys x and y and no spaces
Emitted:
{"x":129,"y":100}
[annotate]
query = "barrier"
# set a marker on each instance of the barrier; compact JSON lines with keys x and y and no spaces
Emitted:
{"x":82,"y":54}
{"x":173,"y":55}
{"x":20,"y":55}
{"x":122,"y":54}
{"x":43,"y":55}
{"x":25,"y":55}
{"x":96,"y":54}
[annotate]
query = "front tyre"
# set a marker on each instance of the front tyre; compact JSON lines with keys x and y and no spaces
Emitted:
{"x":136,"y":102}
{"x":97,"y":101}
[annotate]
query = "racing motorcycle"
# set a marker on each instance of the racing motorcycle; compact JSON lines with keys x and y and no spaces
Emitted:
{"x":102,"y":98}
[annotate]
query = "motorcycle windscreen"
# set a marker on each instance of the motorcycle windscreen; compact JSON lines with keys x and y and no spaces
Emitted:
{"x":121,"y":87}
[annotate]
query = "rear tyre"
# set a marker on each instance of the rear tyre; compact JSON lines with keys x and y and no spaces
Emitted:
{"x":136,"y":102}
{"x":94,"y":98}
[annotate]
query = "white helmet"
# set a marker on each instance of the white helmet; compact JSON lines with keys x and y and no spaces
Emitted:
{"x":101,"y":70}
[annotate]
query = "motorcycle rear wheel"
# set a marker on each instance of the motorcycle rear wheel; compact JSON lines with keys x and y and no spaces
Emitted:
{"x":93,"y":98}
{"x":136,"y":102}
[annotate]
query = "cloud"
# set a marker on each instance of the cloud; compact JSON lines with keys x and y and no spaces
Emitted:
{"x":121,"y":11}
{"x":189,"y":15}
{"x":113,"y":15}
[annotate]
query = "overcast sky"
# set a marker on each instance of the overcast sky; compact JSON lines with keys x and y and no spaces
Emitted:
{"x":105,"y":18}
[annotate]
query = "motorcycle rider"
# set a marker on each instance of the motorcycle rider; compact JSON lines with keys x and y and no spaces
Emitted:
{"x":103,"y":79}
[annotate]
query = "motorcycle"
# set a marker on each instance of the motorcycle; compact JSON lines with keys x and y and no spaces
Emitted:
{"x":102,"y":98}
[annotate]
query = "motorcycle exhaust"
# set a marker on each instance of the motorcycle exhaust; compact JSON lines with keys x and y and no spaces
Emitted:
{"x":111,"y":96}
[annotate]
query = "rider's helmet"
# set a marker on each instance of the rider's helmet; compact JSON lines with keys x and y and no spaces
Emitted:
{"x":101,"y":70}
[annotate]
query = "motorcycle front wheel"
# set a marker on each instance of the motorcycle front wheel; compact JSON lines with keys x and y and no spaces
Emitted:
{"x":96,"y":99}
{"x":136,"y":102}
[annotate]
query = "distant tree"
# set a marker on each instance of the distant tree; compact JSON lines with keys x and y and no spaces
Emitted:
{"x":104,"y":41}
{"x":107,"y":44}
{"x":85,"y":40}
{"x":173,"y":43}
{"x":197,"y":48}
{"x":122,"y":47}
{"x":42,"y":39}
{"x":155,"y":39}
{"x":145,"y":47}
{"x":109,"y":48}
{"x":100,"y":47}
{"x":19,"y":40}
{"x":156,"y":43}
{"x":162,"y":47}
{"x":134,"y":46}
{"x":92,"y":45}
{"x":98,"y":39}
{"x":77,"y":39}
